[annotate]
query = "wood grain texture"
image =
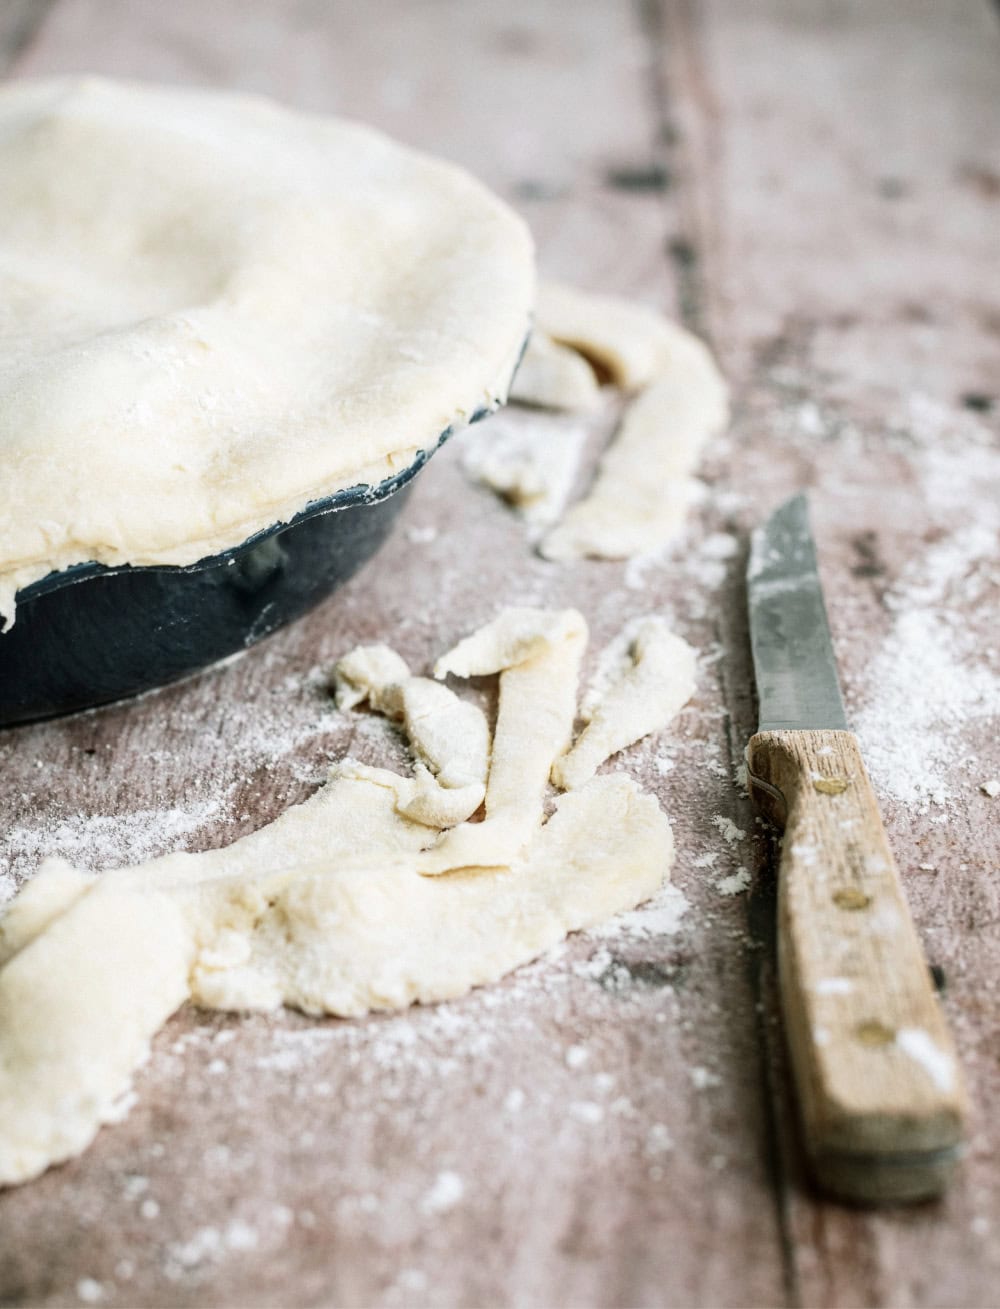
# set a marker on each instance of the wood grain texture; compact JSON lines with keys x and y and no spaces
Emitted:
{"x":877,"y":1084}
{"x":819,"y":177}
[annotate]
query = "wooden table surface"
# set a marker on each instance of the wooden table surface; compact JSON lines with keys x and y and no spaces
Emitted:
{"x":815,"y":186}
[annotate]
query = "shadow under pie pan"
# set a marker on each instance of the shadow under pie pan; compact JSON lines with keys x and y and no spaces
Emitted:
{"x":91,"y":634}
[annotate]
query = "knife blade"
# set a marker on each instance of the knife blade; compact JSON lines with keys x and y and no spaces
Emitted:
{"x":879,"y":1090}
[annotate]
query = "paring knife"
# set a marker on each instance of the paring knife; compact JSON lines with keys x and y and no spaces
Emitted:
{"x":879,"y":1089}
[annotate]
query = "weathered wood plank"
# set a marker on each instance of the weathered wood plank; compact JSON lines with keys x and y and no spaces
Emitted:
{"x":844,"y":160}
{"x":286,"y":1162}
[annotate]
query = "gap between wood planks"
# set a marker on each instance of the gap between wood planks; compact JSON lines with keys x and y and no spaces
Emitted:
{"x":686,"y":146}
{"x":681,"y":107}
{"x":20,"y":23}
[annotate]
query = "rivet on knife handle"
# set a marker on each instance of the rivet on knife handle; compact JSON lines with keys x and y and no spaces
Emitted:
{"x":880,"y":1094}
{"x":879,"y":1088}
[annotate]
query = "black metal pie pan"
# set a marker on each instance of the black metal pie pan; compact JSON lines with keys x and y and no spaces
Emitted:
{"x":91,"y":634}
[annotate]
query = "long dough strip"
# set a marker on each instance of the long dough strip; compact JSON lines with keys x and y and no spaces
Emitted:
{"x":539,"y":654}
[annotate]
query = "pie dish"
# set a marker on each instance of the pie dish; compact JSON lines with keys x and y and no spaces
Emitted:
{"x":219,"y":317}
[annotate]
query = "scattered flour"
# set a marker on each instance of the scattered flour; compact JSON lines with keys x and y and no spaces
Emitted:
{"x":734,"y":884}
{"x":704,"y":1080}
{"x":98,"y":841}
{"x":205,"y":1244}
{"x":729,"y":831}
{"x":421,"y":535}
{"x":660,"y":916}
{"x":530,"y":460}
{"x":445,"y":1194}
{"x":927,"y":681}
{"x":586,"y":1111}
{"x":719,"y":545}
{"x":920,"y":1047}
{"x":658,"y":1139}
{"x":515,"y":1100}
{"x":638,"y":567}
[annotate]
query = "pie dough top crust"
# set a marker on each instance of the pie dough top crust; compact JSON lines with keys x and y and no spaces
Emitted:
{"x":214,"y":310}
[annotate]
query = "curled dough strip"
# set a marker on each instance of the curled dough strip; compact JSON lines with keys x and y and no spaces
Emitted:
{"x":553,"y":376}
{"x":449,"y":736}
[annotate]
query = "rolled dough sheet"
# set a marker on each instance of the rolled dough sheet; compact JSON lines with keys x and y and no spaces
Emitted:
{"x":380,"y":936}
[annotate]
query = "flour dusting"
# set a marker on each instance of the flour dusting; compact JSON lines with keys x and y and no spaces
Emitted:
{"x":531,"y":461}
{"x":930,"y":678}
{"x":99,"y":841}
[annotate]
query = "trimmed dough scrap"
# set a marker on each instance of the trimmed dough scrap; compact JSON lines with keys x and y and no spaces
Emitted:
{"x":399,"y":938}
{"x":214,"y":310}
{"x":421,"y":798}
{"x":79,"y":1004}
{"x":325,"y":909}
{"x":653,"y":683}
{"x":448,"y":734}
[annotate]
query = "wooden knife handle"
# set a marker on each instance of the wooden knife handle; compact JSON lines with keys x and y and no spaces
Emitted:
{"x":879,"y":1088}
